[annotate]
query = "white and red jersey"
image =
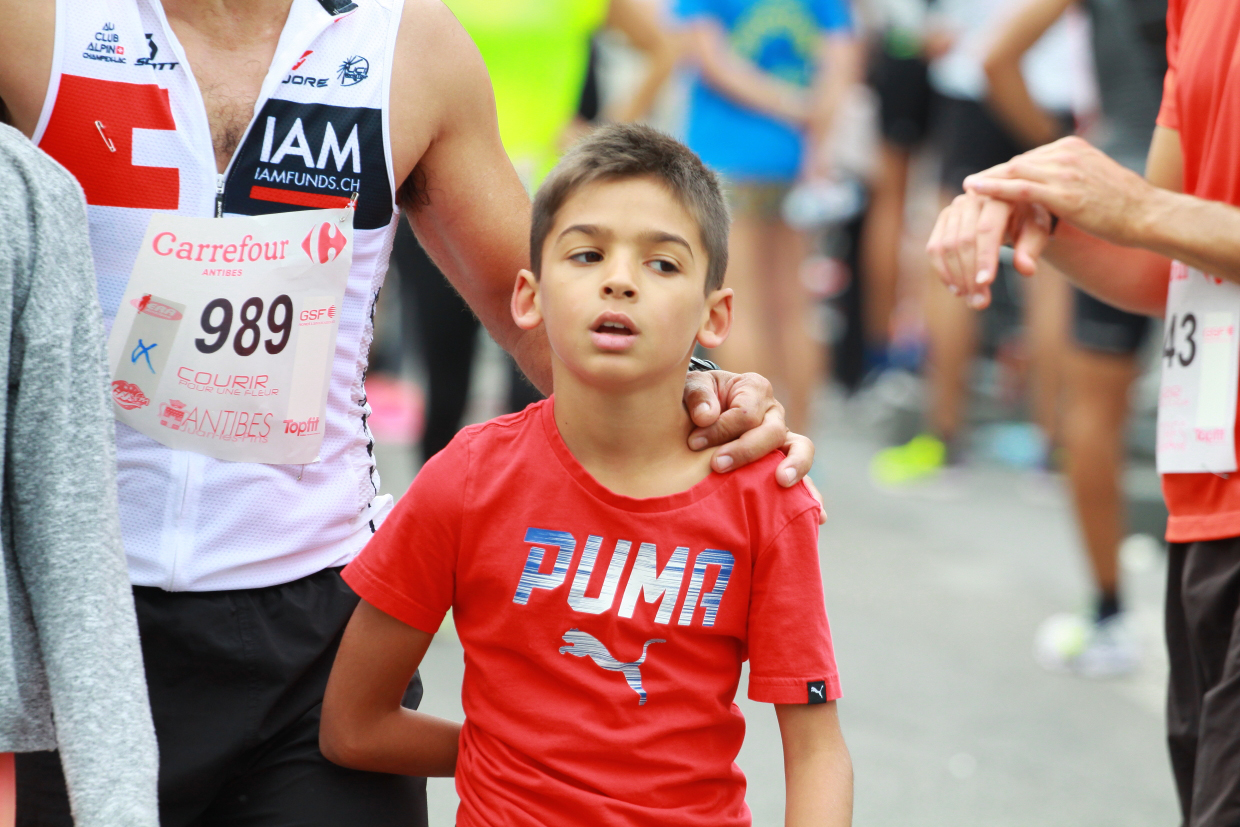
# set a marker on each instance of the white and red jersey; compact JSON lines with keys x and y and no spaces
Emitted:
{"x":124,"y":114}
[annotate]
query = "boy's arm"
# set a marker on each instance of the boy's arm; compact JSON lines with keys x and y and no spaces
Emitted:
{"x":817,"y":767}
{"x":364,"y":725}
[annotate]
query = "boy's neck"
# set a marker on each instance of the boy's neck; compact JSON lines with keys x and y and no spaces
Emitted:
{"x":633,"y":440}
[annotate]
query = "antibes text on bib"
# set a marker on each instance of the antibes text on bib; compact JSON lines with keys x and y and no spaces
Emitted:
{"x":1197,"y":401}
{"x":224,"y":338}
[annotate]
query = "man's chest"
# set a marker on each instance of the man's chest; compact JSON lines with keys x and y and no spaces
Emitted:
{"x":308,"y":135}
{"x":293,"y":121}
{"x":228,"y":98}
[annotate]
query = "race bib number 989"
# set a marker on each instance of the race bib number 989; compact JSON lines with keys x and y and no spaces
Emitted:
{"x":224,"y":338}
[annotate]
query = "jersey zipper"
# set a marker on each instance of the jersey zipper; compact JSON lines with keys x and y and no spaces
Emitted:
{"x":219,"y":194}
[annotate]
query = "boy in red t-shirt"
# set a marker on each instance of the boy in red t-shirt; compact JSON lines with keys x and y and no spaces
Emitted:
{"x":605,"y":584}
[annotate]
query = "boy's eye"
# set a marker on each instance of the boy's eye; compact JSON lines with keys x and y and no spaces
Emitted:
{"x":587,"y":257}
{"x":664,"y":266}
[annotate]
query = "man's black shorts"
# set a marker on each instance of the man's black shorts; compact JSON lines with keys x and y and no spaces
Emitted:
{"x":1099,"y":327}
{"x":1203,"y":701}
{"x":236,"y":681}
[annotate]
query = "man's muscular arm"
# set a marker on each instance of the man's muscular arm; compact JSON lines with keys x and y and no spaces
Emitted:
{"x":464,"y":199}
{"x":26,"y":41}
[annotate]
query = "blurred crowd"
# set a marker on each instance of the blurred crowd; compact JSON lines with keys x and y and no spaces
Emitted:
{"x":841,"y":128}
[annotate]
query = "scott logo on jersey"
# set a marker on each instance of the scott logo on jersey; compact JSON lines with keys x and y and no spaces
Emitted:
{"x":645,"y":581}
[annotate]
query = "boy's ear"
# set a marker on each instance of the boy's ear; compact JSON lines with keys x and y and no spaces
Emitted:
{"x":716,"y":318}
{"x":524,"y":305}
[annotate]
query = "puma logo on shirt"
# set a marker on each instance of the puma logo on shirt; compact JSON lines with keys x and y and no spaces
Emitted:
{"x":582,"y":644}
{"x":645,"y":580}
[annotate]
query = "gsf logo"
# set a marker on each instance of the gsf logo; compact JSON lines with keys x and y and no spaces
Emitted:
{"x":318,"y":314}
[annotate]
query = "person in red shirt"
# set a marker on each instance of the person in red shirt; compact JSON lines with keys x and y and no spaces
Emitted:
{"x":1166,"y":244}
{"x":605,"y":584}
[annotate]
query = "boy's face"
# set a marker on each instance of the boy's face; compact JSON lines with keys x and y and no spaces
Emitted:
{"x":622,"y":289}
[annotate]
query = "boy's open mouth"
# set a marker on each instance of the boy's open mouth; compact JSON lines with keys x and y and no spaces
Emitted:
{"x":613,"y":331}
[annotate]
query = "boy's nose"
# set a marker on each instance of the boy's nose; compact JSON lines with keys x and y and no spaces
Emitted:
{"x":617,"y":290}
{"x":619,"y":284}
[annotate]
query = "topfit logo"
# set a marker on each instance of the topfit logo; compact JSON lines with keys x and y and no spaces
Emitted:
{"x":303,"y":427}
{"x":323,"y":243}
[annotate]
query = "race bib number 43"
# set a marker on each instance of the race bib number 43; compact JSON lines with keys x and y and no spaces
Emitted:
{"x":1201,"y":349}
{"x":224,"y":339}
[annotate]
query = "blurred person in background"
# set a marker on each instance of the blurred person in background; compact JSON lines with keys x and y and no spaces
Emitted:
{"x":906,"y":41}
{"x":538,"y":55}
{"x":1129,"y":51}
{"x":1163,"y":244}
{"x":973,"y":140}
{"x":771,"y":74}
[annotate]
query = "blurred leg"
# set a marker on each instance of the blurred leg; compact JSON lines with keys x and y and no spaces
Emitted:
{"x":1093,"y":434}
{"x":880,"y":244}
{"x":905,"y":109}
{"x":798,"y":363}
{"x":1047,"y":310}
{"x":951,"y":332}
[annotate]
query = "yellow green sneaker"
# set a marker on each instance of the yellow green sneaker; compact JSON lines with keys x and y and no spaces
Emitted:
{"x":920,"y":458}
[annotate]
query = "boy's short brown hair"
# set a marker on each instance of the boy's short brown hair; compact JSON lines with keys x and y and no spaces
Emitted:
{"x":635,"y":151}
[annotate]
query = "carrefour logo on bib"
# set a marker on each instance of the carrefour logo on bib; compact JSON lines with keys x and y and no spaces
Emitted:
{"x":324,"y":243}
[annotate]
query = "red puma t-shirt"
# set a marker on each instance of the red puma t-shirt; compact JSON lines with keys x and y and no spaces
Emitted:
{"x":1201,"y":100}
{"x":603,"y":635}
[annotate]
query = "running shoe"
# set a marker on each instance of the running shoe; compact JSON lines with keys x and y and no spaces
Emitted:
{"x":920,"y":458}
{"x":1073,"y":643}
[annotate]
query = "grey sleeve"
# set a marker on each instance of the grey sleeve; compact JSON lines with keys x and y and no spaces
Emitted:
{"x":66,"y":533}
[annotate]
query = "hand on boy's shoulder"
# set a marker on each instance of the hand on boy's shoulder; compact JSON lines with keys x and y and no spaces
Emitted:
{"x":738,"y":416}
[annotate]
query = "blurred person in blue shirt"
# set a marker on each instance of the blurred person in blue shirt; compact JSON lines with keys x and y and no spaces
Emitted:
{"x":771,"y":74}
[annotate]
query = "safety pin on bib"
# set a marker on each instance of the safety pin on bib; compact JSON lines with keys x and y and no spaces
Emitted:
{"x":107,"y":141}
{"x":352,"y":204}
